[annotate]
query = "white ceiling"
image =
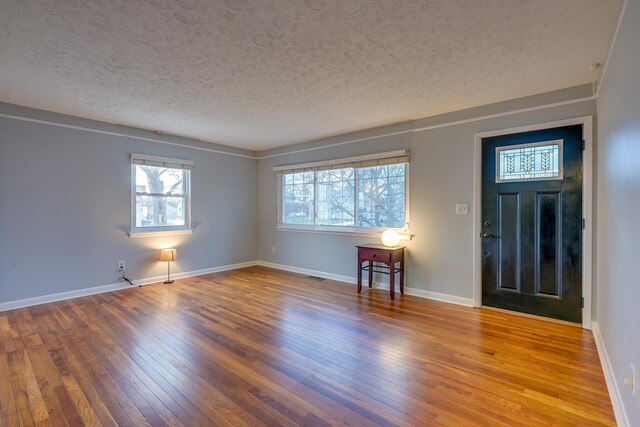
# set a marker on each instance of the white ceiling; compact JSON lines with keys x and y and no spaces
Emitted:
{"x":264,"y":73}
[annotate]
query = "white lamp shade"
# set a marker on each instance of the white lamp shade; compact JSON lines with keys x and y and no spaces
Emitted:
{"x":390,"y":238}
{"x":168,"y":255}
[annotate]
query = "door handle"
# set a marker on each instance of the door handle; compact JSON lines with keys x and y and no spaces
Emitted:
{"x":490,"y":236}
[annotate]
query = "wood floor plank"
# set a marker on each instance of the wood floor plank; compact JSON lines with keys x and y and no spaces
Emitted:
{"x":8,"y":409}
{"x":152,"y":393}
{"x":37,"y":406}
{"x":37,"y":355}
{"x":19,"y":386}
{"x":205,"y":397}
{"x":226,"y":356}
{"x":47,"y":358}
{"x":247,"y":354}
{"x":258,"y":347}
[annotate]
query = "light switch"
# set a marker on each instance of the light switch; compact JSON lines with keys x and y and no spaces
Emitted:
{"x":462,"y":209}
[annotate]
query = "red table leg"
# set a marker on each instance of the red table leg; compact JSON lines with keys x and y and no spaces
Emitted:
{"x":402,"y":275}
{"x":370,"y":273}
{"x":392,"y":281}
{"x":359,"y":275}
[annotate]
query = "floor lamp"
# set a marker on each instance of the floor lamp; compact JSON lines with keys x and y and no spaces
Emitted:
{"x":168,"y":255}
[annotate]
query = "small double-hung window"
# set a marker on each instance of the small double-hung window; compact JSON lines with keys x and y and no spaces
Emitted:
{"x":161,"y":195}
{"x":366,"y":193}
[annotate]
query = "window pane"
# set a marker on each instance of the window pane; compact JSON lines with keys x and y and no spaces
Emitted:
{"x":159,"y":211}
{"x":159,"y":180}
{"x":335,"y":197}
{"x":297,"y":198}
{"x":529,"y":163}
{"x":381,"y":196}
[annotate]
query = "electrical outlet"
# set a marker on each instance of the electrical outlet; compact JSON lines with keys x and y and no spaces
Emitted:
{"x":121,"y":265}
{"x":273,"y":249}
{"x":632,"y":381}
{"x":462,"y":209}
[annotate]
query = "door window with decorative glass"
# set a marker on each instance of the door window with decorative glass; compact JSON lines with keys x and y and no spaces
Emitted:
{"x":529,"y":162}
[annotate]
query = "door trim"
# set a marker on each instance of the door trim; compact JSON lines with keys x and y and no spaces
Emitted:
{"x":587,"y":206}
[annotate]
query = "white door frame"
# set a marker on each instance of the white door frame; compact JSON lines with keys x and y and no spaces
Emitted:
{"x":587,"y":207}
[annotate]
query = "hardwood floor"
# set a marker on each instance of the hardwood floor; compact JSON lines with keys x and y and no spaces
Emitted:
{"x":258,"y":346}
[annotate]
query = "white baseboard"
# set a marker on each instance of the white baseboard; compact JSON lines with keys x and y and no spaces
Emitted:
{"x":452,"y":299}
{"x":308,"y":272}
{"x":437,"y":296}
{"x":609,"y":375}
{"x":28,"y":302}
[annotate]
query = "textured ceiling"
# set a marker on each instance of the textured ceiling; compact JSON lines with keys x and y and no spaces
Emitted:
{"x":264,"y":73}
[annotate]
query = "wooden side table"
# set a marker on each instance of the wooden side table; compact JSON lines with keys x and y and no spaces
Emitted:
{"x":378,"y":253}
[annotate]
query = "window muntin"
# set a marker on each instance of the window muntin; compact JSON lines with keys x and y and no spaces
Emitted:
{"x":335,"y":189}
{"x":345,"y":198}
{"x":160,"y":194}
{"x":298,"y":198}
{"x":529,"y":162}
{"x":381,"y":196}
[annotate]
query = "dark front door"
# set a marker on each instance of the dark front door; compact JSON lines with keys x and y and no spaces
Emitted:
{"x":532,"y":222}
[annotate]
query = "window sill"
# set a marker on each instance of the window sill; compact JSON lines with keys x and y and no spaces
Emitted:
{"x":158,"y":233}
{"x":404,"y":235}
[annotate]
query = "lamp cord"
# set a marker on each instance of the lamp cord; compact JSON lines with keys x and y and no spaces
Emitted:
{"x":124,"y":279}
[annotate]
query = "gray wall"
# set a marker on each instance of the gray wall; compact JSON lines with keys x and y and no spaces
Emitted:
{"x":65,"y":200}
{"x":618,"y":190}
{"x":440,"y":256}
{"x":65,"y":206}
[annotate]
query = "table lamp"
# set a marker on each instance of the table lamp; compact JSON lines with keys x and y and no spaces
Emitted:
{"x":390,"y":238}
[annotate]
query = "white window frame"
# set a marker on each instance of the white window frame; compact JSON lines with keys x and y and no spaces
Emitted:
{"x":186,"y":166}
{"x":404,"y":232}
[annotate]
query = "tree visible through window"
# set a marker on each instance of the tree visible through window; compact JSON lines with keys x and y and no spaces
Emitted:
{"x":346,"y":197}
{"x":160,"y":196}
{"x":381,"y":196}
{"x":297,"y":194}
{"x":335,"y":197}
{"x":160,"y":193}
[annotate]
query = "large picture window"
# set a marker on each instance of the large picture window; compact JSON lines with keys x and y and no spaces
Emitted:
{"x":160,"y":194}
{"x":345,"y":195}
